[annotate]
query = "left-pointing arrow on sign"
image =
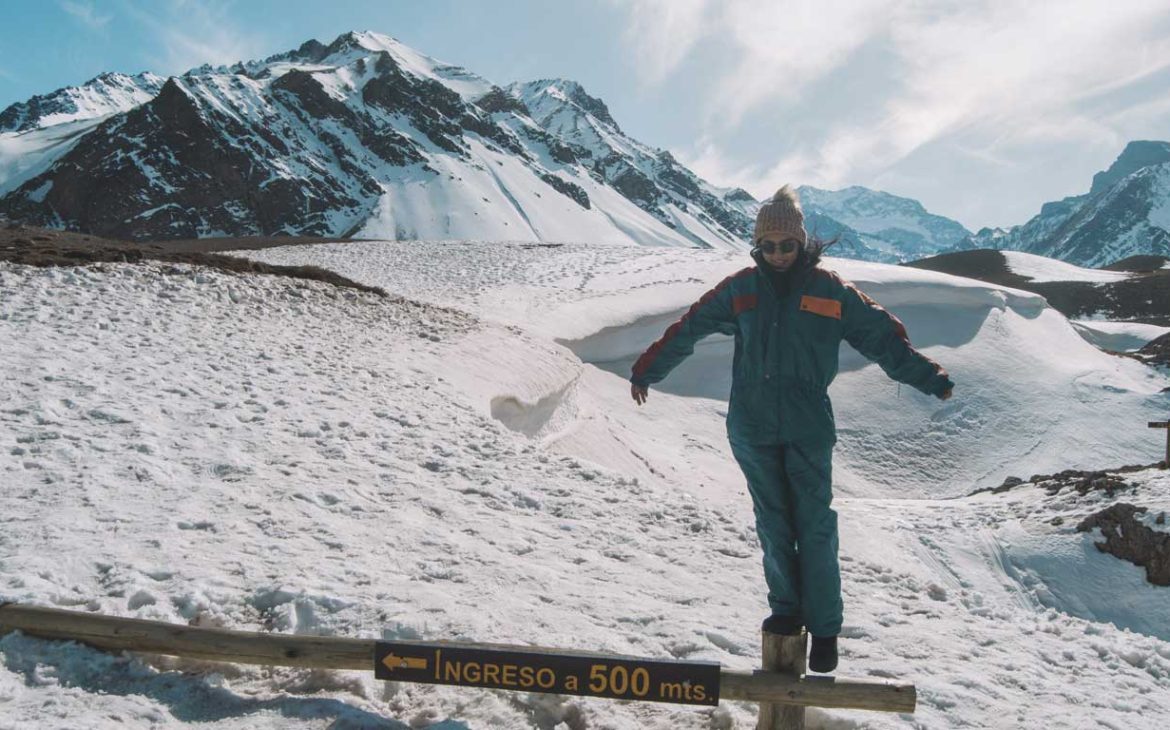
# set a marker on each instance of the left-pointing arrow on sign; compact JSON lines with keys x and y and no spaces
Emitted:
{"x":393,"y":662}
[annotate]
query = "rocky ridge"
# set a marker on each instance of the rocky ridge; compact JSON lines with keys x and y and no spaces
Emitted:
{"x":359,"y":135}
{"x":878,"y":226}
{"x":1125,"y":213}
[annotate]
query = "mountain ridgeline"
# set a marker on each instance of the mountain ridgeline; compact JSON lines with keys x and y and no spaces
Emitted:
{"x":366,"y":137}
{"x":360,"y":137}
{"x":1125,"y":213}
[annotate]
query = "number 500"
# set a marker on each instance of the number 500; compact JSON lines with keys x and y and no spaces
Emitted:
{"x":619,"y":680}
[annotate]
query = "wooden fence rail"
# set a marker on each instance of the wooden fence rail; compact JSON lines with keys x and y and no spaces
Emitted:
{"x":245,"y":647}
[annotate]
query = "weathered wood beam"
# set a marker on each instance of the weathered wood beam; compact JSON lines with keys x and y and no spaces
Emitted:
{"x":113,"y":633}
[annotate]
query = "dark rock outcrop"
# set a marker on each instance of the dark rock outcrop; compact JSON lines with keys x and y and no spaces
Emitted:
{"x":1156,"y":352}
{"x":633,"y":183}
{"x":1129,"y":539}
{"x":1080,"y":481}
{"x":570,"y":190}
{"x":174,"y":169}
{"x":497,"y":100}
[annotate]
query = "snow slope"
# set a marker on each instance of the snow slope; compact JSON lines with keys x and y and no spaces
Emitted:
{"x":1032,"y":395}
{"x":1119,"y":336}
{"x":270,"y":454}
{"x":1041,"y":269}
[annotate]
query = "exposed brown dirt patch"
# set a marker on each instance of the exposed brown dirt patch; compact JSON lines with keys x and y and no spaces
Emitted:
{"x":1140,"y":263}
{"x":1143,"y":297}
{"x":48,"y":247}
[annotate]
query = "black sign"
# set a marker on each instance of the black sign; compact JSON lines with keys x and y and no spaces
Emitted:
{"x":589,"y":675}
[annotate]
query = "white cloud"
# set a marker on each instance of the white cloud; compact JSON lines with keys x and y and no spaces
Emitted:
{"x":194,"y":32}
{"x":708,"y":160}
{"x":1013,"y":70}
{"x":783,"y":47}
{"x":995,"y":74}
{"x":85,"y":13}
{"x":662,"y":32}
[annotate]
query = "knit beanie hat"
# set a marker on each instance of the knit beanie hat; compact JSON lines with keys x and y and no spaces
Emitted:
{"x":782,"y":216}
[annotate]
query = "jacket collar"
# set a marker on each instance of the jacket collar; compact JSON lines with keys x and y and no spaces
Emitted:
{"x":804,"y":265}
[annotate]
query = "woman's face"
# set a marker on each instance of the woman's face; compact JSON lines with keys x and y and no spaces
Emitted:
{"x":773,"y":249}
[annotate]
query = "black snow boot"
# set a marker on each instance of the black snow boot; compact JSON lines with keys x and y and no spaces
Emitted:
{"x":785,"y":625}
{"x":823,"y":656}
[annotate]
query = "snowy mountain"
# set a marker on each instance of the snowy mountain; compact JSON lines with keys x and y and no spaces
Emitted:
{"x":363,"y":136}
{"x":462,"y":461}
{"x":109,"y":93}
{"x":652,"y":178}
{"x":1020,"y":238}
{"x":878,"y":226}
{"x":1132,"y":217}
{"x":37,"y":133}
{"x":1125,"y":213}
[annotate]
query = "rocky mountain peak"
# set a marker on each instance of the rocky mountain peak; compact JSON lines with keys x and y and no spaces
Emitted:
{"x":567,"y":91}
{"x":591,"y":104}
{"x":105,"y":94}
{"x":365,"y":40}
{"x":739,"y":195}
{"x":860,"y":199}
{"x":348,"y":42}
{"x":877,"y":225}
{"x":311,"y":51}
{"x":1135,"y":156}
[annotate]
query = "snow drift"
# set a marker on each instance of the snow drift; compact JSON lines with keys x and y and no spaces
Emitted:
{"x":272,"y":454}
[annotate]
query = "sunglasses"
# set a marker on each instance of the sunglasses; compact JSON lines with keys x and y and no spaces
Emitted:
{"x":771,"y":247}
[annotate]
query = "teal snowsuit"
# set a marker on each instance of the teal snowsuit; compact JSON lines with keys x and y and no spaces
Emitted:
{"x":780,"y":421}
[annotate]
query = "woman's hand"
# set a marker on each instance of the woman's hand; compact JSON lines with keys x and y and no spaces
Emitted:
{"x":639,"y":393}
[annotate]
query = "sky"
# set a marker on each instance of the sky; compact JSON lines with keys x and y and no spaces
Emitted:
{"x":980,"y":109}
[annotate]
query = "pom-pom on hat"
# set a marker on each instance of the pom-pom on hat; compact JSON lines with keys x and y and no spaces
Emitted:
{"x":781,"y":215}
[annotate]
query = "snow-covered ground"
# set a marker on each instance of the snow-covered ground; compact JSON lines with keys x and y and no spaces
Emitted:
{"x":1119,"y":336}
{"x":1042,"y":268}
{"x":271,"y":454}
{"x":1032,"y":395}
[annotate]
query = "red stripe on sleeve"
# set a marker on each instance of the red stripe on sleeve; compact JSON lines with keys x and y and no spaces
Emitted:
{"x":743,"y":303}
{"x":647,"y":359}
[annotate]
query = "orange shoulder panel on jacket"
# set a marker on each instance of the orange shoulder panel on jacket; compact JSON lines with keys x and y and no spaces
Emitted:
{"x":822,"y":306}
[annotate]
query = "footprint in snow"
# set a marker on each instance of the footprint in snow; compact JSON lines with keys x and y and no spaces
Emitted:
{"x":726,"y":644}
{"x":201,"y":525}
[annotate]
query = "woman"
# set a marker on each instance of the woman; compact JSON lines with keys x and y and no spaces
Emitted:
{"x":788,"y":316}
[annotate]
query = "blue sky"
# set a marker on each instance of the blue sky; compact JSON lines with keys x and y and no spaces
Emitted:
{"x":980,"y":109}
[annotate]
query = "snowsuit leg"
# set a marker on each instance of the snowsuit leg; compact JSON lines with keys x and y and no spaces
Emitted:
{"x":791,"y":488}
{"x":810,"y":477}
{"x":763,"y":466}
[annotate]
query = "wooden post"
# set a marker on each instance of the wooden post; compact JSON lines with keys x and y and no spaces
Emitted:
{"x":782,"y":687}
{"x":783,"y":654}
{"x":1165,"y":425}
